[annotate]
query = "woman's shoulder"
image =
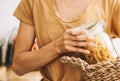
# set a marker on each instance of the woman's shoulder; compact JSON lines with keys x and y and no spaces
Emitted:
{"x":32,"y":3}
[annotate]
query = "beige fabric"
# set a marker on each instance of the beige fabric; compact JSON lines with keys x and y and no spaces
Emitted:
{"x":49,"y":26}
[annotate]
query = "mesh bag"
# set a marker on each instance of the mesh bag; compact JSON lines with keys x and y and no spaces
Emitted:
{"x":103,"y":71}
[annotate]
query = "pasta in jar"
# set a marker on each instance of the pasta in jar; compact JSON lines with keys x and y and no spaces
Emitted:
{"x":103,"y":49}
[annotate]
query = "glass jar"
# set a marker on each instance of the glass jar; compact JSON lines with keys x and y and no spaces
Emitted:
{"x":103,"y":49}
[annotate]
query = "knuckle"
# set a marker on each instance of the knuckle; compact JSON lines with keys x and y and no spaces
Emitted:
{"x":76,"y":49}
{"x":66,"y":36}
{"x":76,"y":37}
{"x":77,"y":43}
{"x":81,"y":44}
{"x":86,"y":44}
{"x":73,"y":50}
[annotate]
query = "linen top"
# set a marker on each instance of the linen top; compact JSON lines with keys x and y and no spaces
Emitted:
{"x":49,"y":25}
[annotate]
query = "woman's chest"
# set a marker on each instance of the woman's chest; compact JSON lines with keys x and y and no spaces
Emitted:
{"x":72,"y":8}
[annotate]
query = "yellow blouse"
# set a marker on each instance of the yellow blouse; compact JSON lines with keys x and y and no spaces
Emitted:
{"x":49,"y":25}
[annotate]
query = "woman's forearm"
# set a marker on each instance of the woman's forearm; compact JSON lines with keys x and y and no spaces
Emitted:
{"x":29,"y":61}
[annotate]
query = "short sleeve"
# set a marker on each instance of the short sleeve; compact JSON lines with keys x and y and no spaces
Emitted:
{"x":24,"y":12}
{"x":116,"y":19}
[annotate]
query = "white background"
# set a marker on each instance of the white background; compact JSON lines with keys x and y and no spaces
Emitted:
{"x":7,"y":20}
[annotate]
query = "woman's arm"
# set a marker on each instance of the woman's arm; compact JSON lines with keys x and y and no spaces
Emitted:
{"x":25,"y":60}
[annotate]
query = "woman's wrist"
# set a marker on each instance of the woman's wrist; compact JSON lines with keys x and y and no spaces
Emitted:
{"x":57,"y":47}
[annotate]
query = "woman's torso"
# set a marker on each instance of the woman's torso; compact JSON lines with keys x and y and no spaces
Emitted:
{"x":49,"y":25}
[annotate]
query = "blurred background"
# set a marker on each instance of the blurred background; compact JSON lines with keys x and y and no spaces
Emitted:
{"x":8,"y":31}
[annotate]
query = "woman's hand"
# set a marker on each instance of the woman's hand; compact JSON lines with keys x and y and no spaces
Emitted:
{"x":74,"y":40}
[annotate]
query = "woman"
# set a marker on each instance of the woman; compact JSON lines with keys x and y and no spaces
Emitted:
{"x":52,"y":22}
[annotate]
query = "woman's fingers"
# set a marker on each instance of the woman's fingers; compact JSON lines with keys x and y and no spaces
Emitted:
{"x":81,"y":29}
{"x":84,"y":38}
{"x":79,"y":44}
{"x":79,"y":37}
{"x":77,"y":49}
{"x":75,"y":43}
{"x":76,"y":32}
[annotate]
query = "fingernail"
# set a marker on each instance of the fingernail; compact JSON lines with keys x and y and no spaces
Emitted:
{"x":74,"y":31}
{"x":91,"y":44}
{"x":91,"y":38}
{"x":87,"y":52}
